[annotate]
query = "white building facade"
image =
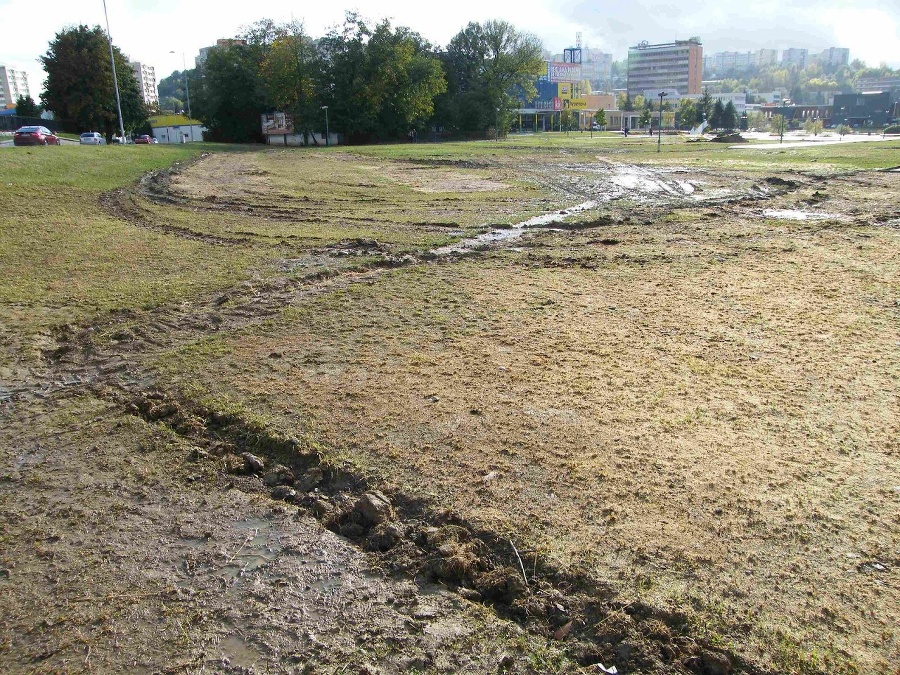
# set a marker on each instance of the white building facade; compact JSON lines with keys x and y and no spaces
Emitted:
{"x":13,"y":84}
{"x":146,"y":79}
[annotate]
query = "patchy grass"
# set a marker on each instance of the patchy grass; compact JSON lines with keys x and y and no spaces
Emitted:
{"x":698,"y":409}
{"x":691,"y":403}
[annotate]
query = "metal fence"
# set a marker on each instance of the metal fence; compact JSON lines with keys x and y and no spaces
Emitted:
{"x":13,"y":122}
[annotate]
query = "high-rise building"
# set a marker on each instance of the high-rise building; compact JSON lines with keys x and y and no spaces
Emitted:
{"x":674,"y":65}
{"x":13,"y":84}
{"x":200,"y":59}
{"x":766,"y":57}
{"x":794,"y":57}
{"x":835,"y":56}
{"x":146,"y":79}
{"x":595,"y":66}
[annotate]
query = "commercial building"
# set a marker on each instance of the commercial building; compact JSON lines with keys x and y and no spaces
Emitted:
{"x":870,"y":109}
{"x":674,"y":98}
{"x":146,"y":79}
{"x":176,"y":129}
{"x":13,"y":84}
{"x":674,"y":65}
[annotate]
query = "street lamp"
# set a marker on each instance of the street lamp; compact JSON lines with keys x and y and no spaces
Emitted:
{"x":325,"y":108}
{"x":662,"y":95}
{"x":187,"y":92}
{"x":115,"y":79}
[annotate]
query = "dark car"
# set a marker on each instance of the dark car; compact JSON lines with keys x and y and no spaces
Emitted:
{"x":35,"y":136}
{"x":143,"y":139}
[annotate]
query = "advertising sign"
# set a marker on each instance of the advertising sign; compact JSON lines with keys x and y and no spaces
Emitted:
{"x":277,"y":124}
{"x":572,"y":55}
{"x":557,"y":104}
{"x":564,"y":90}
{"x":563,"y":72}
{"x":576,"y":103}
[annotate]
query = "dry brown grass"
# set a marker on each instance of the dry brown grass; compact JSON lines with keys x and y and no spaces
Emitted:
{"x":704,"y":414}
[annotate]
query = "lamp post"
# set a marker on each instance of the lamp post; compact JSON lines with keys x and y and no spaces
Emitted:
{"x":115,"y":79}
{"x":662,"y":95}
{"x":187,"y":92}
{"x":325,"y":108}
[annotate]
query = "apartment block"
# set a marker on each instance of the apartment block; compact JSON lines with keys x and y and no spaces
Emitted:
{"x":596,"y":65}
{"x":675,"y":65}
{"x":13,"y":84}
{"x":835,"y":56}
{"x":200,"y":59}
{"x":794,"y":57}
{"x":146,"y":79}
{"x":766,"y":57}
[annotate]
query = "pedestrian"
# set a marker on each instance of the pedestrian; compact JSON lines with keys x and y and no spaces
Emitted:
{"x":625,"y":131}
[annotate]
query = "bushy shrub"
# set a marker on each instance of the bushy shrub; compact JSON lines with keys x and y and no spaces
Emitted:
{"x":893,"y":129}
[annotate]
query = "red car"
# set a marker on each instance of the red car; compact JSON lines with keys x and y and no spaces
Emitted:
{"x":35,"y":136}
{"x":143,"y":140}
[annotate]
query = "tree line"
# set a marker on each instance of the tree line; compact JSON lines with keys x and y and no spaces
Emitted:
{"x":378,"y":82}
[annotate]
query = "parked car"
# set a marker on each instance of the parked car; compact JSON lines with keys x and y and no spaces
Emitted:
{"x":143,"y":139}
{"x":595,"y":127}
{"x":92,"y":138}
{"x":35,"y":136}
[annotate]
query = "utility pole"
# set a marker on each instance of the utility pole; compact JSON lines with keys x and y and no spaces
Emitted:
{"x":662,"y":95}
{"x":115,"y":79}
{"x":325,"y":108}
{"x":187,"y":93}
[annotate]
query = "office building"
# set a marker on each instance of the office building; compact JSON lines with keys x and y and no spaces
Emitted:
{"x":674,"y":65}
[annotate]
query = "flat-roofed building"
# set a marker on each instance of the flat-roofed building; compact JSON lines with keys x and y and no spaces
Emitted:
{"x":794,"y":57}
{"x":835,"y":56}
{"x":146,"y":79}
{"x":674,"y":65}
{"x":13,"y":84}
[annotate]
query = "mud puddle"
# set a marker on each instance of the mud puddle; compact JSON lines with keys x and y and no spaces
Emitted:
{"x":798,"y":214}
{"x":514,"y":232}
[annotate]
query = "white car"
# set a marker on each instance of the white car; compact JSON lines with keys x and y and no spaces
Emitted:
{"x":92,"y":138}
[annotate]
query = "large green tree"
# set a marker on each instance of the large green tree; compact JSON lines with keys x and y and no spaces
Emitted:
{"x":79,"y":83}
{"x":172,"y":95}
{"x":230,"y":96}
{"x":717,"y":116}
{"x":26,"y":107}
{"x":729,"y":116}
{"x":378,"y":82}
{"x":489,"y":66}
{"x":290,"y":69}
{"x":687,"y":114}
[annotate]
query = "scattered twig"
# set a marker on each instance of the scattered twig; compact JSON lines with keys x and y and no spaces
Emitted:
{"x":241,"y":547}
{"x":519,"y":558}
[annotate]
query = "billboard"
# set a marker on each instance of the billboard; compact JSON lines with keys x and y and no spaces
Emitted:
{"x":563,"y":72}
{"x":277,"y":124}
{"x":572,"y":55}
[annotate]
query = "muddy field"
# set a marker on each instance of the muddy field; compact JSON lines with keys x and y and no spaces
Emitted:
{"x":527,"y":407}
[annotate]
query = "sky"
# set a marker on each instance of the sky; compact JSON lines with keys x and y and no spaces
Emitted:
{"x":159,"y":32}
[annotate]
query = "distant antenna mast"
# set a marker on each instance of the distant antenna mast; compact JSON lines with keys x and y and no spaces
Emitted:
{"x":578,"y":39}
